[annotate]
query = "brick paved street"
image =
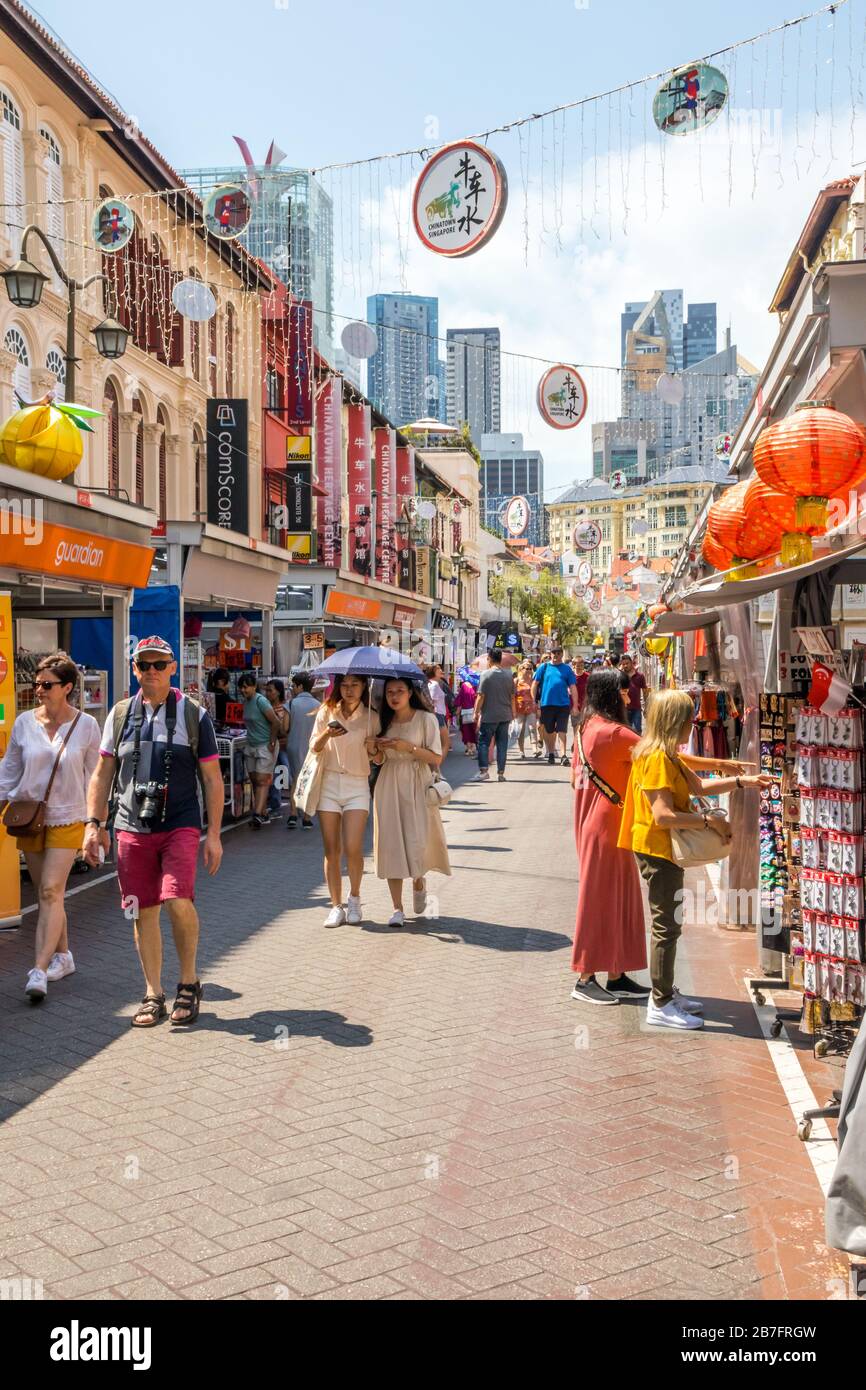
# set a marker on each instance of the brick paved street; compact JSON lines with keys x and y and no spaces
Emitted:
{"x":372,"y":1114}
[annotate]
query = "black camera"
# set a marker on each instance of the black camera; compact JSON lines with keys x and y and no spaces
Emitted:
{"x":150,"y":798}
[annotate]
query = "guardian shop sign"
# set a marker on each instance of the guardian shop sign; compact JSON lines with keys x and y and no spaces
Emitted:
{"x":228,"y":465}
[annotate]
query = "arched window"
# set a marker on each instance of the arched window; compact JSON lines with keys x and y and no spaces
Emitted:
{"x":112,"y":435}
{"x":163,"y":466}
{"x":56,"y":363}
{"x":54,"y":212}
{"x":230,"y":349}
{"x":198,"y":466}
{"x":139,"y":452}
{"x":15,"y":343}
{"x":212,"y":345}
{"x":13,"y":160}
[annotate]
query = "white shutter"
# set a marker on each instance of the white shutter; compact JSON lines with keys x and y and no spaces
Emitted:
{"x":13,"y":161}
{"x":54,"y":211}
{"x":14,"y":343}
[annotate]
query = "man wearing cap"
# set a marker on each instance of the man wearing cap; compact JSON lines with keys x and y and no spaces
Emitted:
{"x":154,"y":748}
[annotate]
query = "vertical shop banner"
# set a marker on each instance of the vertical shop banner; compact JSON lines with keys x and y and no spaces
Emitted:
{"x":386,"y":496}
{"x":228,"y":464}
{"x":405,"y":491}
{"x":329,"y":432}
{"x":299,"y":471}
{"x":299,"y":368}
{"x":405,"y":472}
{"x":359,"y":485}
{"x":10,"y":878}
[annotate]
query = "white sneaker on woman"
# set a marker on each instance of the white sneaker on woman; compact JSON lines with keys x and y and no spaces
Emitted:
{"x":396,"y":919}
{"x":335,"y":918}
{"x":688,"y":1006}
{"x":670,"y":1016}
{"x":36,"y":986}
{"x":61,"y":964}
{"x":353,"y":910}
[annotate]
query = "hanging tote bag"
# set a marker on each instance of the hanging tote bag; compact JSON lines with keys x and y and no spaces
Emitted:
{"x":24,"y":819}
{"x":438,"y":792}
{"x":308,"y":787}
{"x":693,"y":847}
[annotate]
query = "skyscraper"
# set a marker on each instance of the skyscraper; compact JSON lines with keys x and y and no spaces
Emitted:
{"x":699,"y":334}
{"x":509,"y":470}
{"x":473,"y":380}
{"x":404,"y":377}
{"x":291,"y":230}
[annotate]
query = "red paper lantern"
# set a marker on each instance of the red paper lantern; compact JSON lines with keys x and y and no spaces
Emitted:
{"x":743,"y":537}
{"x":715,"y":553}
{"x":764,"y":509}
{"x":814,"y":454}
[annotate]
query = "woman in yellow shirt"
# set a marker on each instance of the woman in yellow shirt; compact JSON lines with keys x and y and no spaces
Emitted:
{"x":657,"y":801}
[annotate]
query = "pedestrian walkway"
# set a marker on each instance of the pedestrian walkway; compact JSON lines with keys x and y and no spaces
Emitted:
{"x":372,"y":1114}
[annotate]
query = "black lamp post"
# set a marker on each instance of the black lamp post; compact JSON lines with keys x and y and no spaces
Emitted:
{"x":24,"y":285}
{"x":510,"y":592}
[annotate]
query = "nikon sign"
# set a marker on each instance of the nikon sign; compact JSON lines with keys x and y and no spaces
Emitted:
{"x":228,"y":465}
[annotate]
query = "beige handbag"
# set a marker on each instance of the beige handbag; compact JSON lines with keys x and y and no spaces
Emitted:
{"x":701,"y":845}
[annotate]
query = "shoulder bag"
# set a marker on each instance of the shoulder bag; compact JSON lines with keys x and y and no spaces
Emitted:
{"x":599,"y":782}
{"x":25,"y":819}
{"x":693,"y":848}
{"x":308,"y":787}
{"x":438,"y":792}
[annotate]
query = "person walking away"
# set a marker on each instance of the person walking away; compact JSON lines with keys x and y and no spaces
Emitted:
{"x":527,"y":720}
{"x":657,"y":801}
{"x":275,"y":694}
{"x":637,"y":692}
{"x":52,"y":752}
{"x":434,"y":675}
{"x":343,"y":734}
{"x":408,"y":836}
{"x":554,"y":691}
{"x":260,"y":754}
{"x":154,"y":749}
{"x":609,"y":934}
{"x":465,"y":705}
{"x":495,"y":708}
{"x":302,"y":709}
{"x":581,"y":676}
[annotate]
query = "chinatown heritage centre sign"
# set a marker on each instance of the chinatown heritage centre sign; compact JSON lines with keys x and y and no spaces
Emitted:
{"x":460,"y":199}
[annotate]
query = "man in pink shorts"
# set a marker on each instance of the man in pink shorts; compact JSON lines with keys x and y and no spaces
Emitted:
{"x":154,"y":748}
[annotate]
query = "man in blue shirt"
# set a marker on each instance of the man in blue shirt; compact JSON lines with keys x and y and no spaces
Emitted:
{"x":554,"y":691}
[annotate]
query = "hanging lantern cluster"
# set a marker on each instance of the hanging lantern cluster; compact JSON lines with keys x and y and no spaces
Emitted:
{"x":742,"y":537}
{"x":815,"y":454}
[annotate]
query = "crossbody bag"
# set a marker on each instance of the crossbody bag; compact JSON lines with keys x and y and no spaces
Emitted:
{"x":25,"y":819}
{"x":604,"y":787}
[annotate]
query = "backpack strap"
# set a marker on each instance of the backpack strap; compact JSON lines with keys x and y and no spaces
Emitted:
{"x":192,"y":718}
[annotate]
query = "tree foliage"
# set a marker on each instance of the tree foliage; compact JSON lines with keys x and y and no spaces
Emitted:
{"x":533,"y":600}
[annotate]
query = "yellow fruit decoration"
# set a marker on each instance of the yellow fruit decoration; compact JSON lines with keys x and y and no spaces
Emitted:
{"x":42,"y":439}
{"x":657,"y":646}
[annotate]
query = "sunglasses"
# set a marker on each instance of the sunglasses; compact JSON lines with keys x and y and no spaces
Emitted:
{"x":45,"y":685}
{"x":152,"y":665}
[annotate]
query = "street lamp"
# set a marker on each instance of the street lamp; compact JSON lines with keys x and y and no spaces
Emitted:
{"x":24,"y":285}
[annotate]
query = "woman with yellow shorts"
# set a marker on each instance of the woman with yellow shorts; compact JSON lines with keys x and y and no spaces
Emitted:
{"x":54,"y":727}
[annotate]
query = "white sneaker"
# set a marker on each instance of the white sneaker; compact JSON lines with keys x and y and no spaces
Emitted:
{"x":36,"y":986}
{"x":419,"y":900}
{"x":335,"y":918}
{"x":396,"y":919}
{"x":353,"y":911}
{"x":61,"y":964}
{"x":688,"y":1006}
{"x":670,"y":1016}
{"x":484,"y":777}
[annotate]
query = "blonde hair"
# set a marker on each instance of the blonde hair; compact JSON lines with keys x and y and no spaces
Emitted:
{"x":667,"y":712}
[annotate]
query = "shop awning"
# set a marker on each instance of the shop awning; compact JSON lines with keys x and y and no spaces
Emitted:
{"x":218,"y":582}
{"x":718,"y":591}
{"x":666,"y":624}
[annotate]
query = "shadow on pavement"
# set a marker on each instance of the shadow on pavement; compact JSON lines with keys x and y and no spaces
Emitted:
{"x":491,"y":935}
{"x":276,"y":1028}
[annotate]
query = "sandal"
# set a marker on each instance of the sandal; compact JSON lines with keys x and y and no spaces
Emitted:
{"x":188,"y":997}
{"x":152,"y":1011}
{"x":292,"y":823}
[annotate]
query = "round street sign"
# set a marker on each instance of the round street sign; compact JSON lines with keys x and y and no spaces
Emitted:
{"x":587,"y":535}
{"x":584,"y":573}
{"x":561,"y":397}
{"x":618,"y":481}
{"x":595,"y":603}
{"x":460,"y":199}
{"x":517,"y":514}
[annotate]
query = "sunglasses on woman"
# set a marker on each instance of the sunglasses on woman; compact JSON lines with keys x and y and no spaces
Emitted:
{"x":152,"y":665}
{"x":45,"y":685}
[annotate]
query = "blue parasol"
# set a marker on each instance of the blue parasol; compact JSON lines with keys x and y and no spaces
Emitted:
{"x":376,"y":663}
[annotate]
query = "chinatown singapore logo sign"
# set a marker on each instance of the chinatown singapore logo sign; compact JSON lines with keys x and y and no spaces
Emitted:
{"x":587,"y":535}
{"x":561,"y":397}
{"x":460,"y":199}
{"x":517,"y":514}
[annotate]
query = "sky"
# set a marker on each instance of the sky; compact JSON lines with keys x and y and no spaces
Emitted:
{"x":591,"y":221}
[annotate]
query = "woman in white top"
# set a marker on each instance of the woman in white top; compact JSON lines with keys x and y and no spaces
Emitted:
{"x":25,"y":770}
{"x":343,"y":737}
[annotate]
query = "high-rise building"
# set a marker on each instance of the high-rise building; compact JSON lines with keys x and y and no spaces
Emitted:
{"x":291,"y":230}
{"x":473,"y":380}
{"x":508,"y":470}
{"x":699,"y":334}
{"x":404,"y":376}
{"x":662,"y":315}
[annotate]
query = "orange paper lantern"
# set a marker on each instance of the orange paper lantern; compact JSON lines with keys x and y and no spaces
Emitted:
{"x":715,"y":553}
{"x":814,"y":454}
{"x":763,"y":506}
{"x":745,"y":539}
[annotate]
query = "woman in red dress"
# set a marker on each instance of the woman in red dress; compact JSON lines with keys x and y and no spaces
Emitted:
{"x":610,"y":935}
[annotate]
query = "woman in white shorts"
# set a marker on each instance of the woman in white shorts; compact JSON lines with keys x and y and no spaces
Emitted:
{"x":343,"y":737}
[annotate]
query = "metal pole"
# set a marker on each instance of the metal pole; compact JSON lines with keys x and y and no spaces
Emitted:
{"x":69,"y":358}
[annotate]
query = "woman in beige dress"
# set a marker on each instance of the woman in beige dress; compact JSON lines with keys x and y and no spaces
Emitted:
{"x":408,"y":838}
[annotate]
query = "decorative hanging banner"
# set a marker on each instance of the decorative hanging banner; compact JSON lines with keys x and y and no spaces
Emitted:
{"x":299,"y":379}
{"x":693,"y":96}
{"x":595,"y":603}
{"x":359,"y":340}
{"x":194,"y":300}
{"x":460,"y":199}
{"x":723,"y":446}
{"x":561,"y":397}
{"x":584,"y":573}
{"x":587,"y":535}
{"x":113,"y":225}
{"x":386,"y":482}
{"x":517,"y":515}
{"x":328,"y":451}
{"x":670,"y":388}
{"x":405,"y":499}
{"x":359,"y":486}
{"x":405,"y":472}
{"x":618,"y":480}
{"x":227,"y":211}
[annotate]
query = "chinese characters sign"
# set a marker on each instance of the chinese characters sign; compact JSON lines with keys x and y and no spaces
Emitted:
{"x":460,"y":199}
{"x":328,"y":431}
{"x":517,"y":514}
{"x":386,"y":499}
{"x":587,"y":535}
{"x":358,"y":486}
{"x":561,"y":397}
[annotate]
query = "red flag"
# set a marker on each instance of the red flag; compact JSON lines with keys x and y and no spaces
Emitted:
{"x":828,"y":692}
